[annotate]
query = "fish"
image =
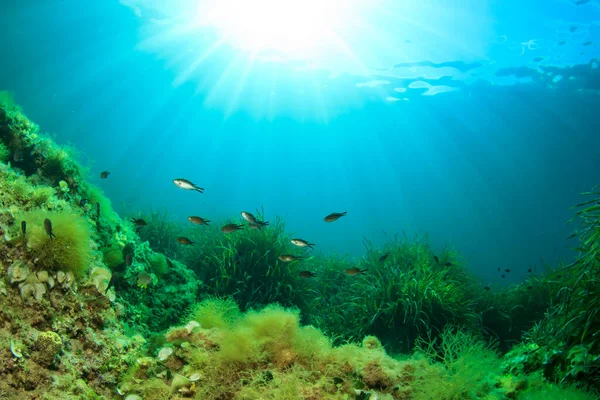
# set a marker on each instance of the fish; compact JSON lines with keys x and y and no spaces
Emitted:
{"x":98,"y":209}
{"x":448,"y":264}
{"x":562,"y":43}
{"x":507,"y":270}
{"x":529,"y":270}
{"x":436,"y":258}
{"x":384,"y":257}
{"x":82,"y":202}
{"x":104,"y":174}
{"x":307,"y":274}
{"x":129,"y":259}
{"x":486,"y":288}
{"x":187,"y":185}
{"x":290,"y":258}
{"x":588,"y":43}
{"x":504,"y":276}
{"x":184,"y":240}
{"x":231,"y":228}
{"x":301,"y":243}
{"x":198,"y":220}
{"x":498,"y":269}
{"x":354,"y":271}
{"x":334,"y":216}
{"x":24,"y":227}
{"x":17,"y":155}
{"x":48,"y":228}
{"x":143,"y":280}
{"x":252,"y":221}
{"x":138,"y":222}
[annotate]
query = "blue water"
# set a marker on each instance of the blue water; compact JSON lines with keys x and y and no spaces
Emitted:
{"x":459,"y":125}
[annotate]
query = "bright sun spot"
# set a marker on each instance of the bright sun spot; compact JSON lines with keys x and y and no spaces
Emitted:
{"x":297,"y":28}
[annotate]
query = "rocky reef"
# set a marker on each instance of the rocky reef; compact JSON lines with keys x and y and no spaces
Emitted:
{"x":92,"y":307}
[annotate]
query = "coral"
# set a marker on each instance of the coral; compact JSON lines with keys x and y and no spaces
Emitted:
{"x":47,"y":346}
{"x":69,"y":250}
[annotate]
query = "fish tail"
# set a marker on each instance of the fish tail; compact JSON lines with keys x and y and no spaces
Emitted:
{"x":311,"y":245}
{"x":199,"y":189}
{"x":344,"y":213}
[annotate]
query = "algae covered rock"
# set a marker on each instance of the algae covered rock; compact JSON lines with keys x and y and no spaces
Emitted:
{"x":47,"y":346}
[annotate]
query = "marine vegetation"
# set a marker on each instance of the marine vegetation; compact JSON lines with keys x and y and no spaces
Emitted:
{"x":93,"y":306}
{"x":406,"y":294}
{"x":246,"y":266}
{"x":267,"y":354}
{"x":563,"y":344}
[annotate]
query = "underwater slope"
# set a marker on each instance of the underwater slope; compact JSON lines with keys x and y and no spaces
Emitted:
{"x":81,"y":294}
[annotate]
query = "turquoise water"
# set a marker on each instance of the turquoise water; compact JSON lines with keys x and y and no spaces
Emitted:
{"x":475,"y":122}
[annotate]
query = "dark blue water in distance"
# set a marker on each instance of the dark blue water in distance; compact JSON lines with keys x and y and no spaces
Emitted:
{"x":484,"y":148}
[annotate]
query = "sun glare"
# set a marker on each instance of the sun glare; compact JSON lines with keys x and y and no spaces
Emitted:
{"x":297,"y":28}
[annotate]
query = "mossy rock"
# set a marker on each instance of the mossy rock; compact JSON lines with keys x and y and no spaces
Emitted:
{"x":47,"y":346}
{"x":68,"y":250}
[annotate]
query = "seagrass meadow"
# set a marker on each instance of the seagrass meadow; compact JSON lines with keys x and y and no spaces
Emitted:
{"x":94,"y":305}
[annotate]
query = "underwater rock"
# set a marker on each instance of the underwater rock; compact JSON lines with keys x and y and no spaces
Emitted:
{"x":47,"y":346}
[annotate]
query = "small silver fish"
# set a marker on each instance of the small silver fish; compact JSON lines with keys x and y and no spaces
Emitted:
{"x":301,"y":243}
{"x":187,"y":185}
{"x":252,"y":221}
{"x":290,"y":258}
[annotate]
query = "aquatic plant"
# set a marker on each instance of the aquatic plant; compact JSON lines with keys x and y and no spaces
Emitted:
{"x":266,"y":354}
{"x":4,"y":153}
{"x":470,"y":366}
{"x":161,"y":232}
{"x":214,"y":313}
{"x":563,"y":343}
{"x":403,"y":296}
{"x":245,"y":265}
{"x":507,"y":313}
{"x":69,"y":249}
